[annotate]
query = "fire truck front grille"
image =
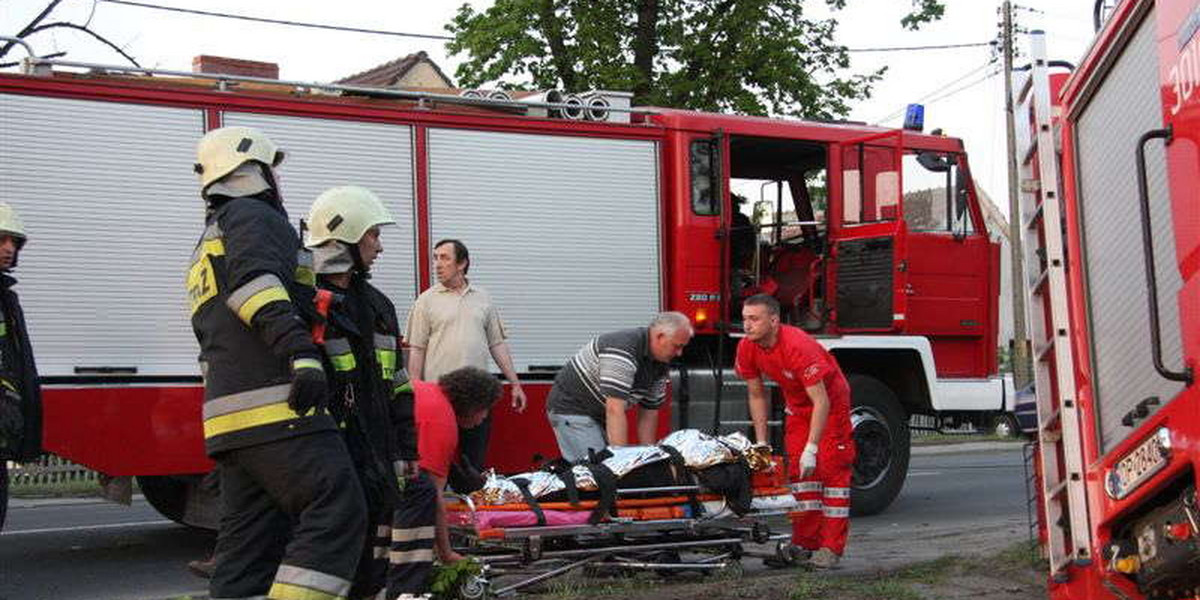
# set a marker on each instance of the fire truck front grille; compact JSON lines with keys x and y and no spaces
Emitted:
{"x":864,"y":283}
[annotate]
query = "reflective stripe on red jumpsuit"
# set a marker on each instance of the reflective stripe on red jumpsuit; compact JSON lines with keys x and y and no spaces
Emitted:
{"x":823,"y":516}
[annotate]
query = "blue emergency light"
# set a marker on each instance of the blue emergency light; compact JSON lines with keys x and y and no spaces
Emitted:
{"x":914,"y":117}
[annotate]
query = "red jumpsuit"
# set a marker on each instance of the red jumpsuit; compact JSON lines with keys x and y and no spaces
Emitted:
{"x":795,"y":362}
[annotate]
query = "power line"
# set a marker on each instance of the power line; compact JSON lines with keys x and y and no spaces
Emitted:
{"x":966,"y":86}
{"x":937,"y":90}
{"x":278,"y":21}
{"x":904,"y":48}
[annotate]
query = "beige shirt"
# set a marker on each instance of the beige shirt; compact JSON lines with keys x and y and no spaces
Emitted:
{"x":456,"y":330}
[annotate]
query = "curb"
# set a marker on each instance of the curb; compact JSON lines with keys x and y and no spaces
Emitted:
{"x":39,"y":502}
{"x":966,"y":447}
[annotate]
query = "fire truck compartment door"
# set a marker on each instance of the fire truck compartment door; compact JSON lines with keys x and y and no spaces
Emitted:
{"x":107,"y":194}
{"x":563,"y":231}
{"x":1124,"y":105}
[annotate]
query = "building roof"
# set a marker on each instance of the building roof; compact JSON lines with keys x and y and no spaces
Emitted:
{"x":390,"y":73}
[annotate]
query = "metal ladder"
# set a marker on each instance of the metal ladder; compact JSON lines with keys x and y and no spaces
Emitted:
{"x":1058,"y":442}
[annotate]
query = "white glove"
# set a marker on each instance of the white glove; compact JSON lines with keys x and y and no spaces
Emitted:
{"x":808,"y":461}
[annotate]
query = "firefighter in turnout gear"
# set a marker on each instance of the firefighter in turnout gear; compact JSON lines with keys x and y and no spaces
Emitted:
{"x":369,"y":394}
{"x":20,"y":393}
{"x":293,"y":518}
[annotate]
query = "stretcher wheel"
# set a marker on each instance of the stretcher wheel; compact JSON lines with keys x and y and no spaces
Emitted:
{"x":760,"y":533}
{"x":475,"y":588}
{"x":784,"y":556}
{"x":734,"y":569}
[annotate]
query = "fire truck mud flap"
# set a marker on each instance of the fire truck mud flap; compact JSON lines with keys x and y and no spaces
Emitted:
{"x":881,"y":435}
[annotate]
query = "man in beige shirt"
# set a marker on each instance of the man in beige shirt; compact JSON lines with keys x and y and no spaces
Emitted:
{"x":454,"y":324}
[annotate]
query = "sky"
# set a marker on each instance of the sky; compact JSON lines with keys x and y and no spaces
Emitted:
{"x":953,"y":84}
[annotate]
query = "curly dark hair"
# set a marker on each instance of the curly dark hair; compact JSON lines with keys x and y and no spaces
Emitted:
{"x":470,"y":390}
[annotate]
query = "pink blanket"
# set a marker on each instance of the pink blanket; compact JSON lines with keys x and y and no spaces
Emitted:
{"x":491,"y":519}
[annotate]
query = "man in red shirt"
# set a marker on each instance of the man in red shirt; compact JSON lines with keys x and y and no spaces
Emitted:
{"x":460,"y":399}
{"x":819,"y":443}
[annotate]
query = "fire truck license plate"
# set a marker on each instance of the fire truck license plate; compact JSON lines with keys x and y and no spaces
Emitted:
{"x":1145,"y":460}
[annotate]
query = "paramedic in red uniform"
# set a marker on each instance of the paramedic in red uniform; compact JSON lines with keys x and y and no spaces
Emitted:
{"x":458,"y":400}
{"x":818,"y":443}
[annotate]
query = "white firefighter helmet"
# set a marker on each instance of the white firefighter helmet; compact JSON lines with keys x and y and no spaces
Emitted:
{"x":223,"y":150}
{"x":10,"y":223}
{"x":345,"y":213}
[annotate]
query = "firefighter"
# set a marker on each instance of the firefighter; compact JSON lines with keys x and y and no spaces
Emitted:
{"x":293,"y":518}
{"x":359,"y":340}
{"x":818,"y":442}
{"x":20,"y":396}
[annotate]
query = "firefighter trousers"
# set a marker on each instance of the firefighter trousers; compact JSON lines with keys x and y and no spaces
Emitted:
{"x":410,"y":561}
{"x":293,"y":520}
{"x":822,"y":519}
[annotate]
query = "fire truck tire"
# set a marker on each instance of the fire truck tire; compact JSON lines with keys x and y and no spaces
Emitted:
{"x":3,"y":492}
{"x":170,"y":495}
{"x":882,"y":439}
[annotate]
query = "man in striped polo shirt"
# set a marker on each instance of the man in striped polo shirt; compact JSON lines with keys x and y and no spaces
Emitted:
{"x":609,"y":375}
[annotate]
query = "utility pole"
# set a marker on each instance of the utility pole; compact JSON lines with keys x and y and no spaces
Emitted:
{"x":1020,"y":351}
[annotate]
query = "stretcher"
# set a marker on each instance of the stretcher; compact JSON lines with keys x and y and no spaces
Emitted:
{"x":666,"y":530}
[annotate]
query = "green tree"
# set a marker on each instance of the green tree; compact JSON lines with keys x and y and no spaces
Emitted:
{"x":746,"y":56}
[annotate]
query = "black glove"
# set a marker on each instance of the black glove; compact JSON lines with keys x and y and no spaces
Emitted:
{"x":309,"y":390}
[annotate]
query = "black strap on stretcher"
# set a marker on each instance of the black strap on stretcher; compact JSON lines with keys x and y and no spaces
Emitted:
{"x":523,"y":485}
{"x":562,"y":469}
{"x":682,"y":477}
{"x":606,"y":480}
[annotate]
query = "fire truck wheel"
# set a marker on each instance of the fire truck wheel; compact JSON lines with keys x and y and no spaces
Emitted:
{"x":170,"y":495}
{"x":3,"y":492}
{"x":881,"y":436}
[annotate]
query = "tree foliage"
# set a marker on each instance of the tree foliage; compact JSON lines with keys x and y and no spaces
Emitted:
{"x":745,"y":56}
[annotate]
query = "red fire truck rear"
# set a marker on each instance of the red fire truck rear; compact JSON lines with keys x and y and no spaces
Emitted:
{"x":1113,"y":274}
{"x":579,"y":222}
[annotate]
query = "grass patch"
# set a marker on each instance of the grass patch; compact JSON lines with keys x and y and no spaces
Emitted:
{"x":62,"y":489}
{"x":818,"y":586}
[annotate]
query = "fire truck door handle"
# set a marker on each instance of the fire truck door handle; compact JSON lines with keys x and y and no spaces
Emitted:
{"x":1148,"y":255}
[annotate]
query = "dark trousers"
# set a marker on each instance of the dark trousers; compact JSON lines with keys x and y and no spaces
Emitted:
{"x":410,"y":561}
{"x":293,"y":517}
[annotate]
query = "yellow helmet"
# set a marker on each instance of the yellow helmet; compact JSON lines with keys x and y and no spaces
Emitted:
{"x":10,"y":223}
{"x":344,"y":213}
{"x":222,"y":150}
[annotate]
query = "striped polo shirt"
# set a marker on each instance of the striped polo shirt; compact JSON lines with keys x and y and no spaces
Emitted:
{"x":613,"y":365}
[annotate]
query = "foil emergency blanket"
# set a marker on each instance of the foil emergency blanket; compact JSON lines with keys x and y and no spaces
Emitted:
{"x":698,"y":449}
{"x":625,"y":459}
{"x":757,"y":455}
{"x":498,"y":489}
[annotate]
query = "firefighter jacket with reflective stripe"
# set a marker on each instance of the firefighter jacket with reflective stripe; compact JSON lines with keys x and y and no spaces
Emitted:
{"x":18,"y":376}
{"x":246,"y":292}
{"x":361,"y":350}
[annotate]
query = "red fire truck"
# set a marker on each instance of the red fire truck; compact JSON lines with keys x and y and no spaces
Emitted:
{"x":1113,"y":275}
{"x":580,"y":221}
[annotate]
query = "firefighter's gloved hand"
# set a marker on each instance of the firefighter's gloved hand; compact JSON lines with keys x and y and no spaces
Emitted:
{"x":405,"y":470}
{"x":808,"y":461}
{"x":309,"y":393}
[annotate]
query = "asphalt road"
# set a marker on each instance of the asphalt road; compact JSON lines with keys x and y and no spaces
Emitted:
{"x":93,"y":550}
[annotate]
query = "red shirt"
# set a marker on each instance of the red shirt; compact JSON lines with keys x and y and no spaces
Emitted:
{"x":437,"y":428}
{"x":795,"y":362}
